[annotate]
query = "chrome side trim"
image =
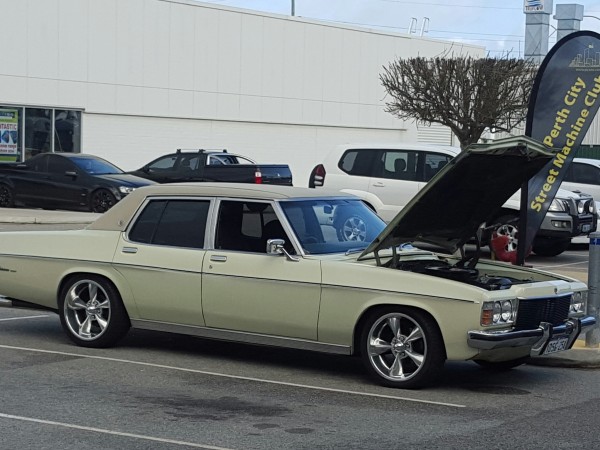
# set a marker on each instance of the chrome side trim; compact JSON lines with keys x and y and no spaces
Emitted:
{"x":241,"y":336}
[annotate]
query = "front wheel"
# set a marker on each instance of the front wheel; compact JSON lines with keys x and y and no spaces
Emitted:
{"x":7,"y":199}
{"x":402,"y":347}
{"x":550,"y":247}
{"x":92,"y":312}
{"x":102,"y":200}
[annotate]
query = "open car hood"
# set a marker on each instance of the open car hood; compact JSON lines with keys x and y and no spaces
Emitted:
{"x":448,"y":211}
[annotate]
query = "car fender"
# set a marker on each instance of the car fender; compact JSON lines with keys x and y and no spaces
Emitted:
{"x":343,"y":310}
{"x":111,"y":274}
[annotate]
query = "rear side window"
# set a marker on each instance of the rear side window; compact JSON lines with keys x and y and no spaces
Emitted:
{"x":177,"y":223}
{"x":358,"y":162}
{"x":583,"y":173}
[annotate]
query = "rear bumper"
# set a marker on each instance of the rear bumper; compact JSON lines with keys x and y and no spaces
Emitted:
{"x":537,"y":339}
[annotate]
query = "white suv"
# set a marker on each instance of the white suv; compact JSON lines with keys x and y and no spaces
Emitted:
{"x":387,"y":177}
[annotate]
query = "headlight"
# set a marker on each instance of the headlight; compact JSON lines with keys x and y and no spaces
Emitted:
{"x":557,"y":205}
{"x":501,"y":312}
{"x":580,"y":207}
{"x":126,"y":190}
{"x":578,"y":302}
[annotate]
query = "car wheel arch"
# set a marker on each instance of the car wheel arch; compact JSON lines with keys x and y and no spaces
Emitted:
{"x":366,"y":313}
{"x":121,"y":288}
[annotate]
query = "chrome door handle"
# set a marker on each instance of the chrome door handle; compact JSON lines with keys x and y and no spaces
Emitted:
{"x":379,"y":184}
{"x":129,"y":250}
{"x":218,"y":258}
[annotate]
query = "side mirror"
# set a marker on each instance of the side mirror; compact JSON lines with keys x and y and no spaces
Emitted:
{"x":276,"y":247}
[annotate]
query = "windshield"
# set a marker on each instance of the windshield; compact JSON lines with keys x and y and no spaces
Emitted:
{"x":332,"y":225}
{"x":96,"y":166}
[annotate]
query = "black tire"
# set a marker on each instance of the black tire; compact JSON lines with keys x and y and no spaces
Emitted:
{"x":102,"y":200}
{"x":351,"y":228}
{"x":550,"y":247}
{"x":402,"y":347}
{"x":7,"y":198}
{"x":501,"y":366}
{"x":92,"y":312}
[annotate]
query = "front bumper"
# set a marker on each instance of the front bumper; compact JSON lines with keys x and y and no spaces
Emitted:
{"x":537,"y":339}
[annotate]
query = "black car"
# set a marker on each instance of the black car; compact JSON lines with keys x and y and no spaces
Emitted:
{"x":72,"y":181}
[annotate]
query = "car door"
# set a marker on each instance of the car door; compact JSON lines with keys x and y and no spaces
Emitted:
{"x":67,"y":184}
{"x":245,"y":289}
{"x":32,"y":181}
{"x":161,"y":257}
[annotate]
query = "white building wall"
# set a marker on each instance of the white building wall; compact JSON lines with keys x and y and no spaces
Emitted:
{"x":155,"y":75}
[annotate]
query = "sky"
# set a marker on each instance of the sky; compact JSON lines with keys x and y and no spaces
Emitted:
{"x":498,"y":25}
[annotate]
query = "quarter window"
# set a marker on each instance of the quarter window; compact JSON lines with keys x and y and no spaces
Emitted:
{"x":177,"y":223}
{"x":358,"y":162}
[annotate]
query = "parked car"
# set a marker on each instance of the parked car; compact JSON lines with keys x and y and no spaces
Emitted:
{"x":74,"y":181}
{"x":202,"y":165}
{"x":387,"y":176}
{"x":291,"y":267}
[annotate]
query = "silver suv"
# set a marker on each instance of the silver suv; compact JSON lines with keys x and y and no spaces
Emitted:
{"x":387,"y":176}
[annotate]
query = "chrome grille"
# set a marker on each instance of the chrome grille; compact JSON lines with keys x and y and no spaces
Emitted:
{"x":532,"y":311}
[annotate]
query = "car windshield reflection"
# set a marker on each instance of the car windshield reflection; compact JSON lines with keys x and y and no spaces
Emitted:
{"x":96,"y":166}
{"x":332,"y":225}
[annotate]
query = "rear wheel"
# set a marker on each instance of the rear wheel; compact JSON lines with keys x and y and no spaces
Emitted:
{"x":402,"y":347}
{"x":102,"y":200}
{"x":7,"y":199}
{"x":92,"y":312}
{"x":352,"y":228}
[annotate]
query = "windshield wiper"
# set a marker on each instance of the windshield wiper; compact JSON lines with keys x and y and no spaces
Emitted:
{"x":355,"y":250}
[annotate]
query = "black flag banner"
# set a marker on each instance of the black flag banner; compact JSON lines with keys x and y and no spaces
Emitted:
{"x":563,"y":103}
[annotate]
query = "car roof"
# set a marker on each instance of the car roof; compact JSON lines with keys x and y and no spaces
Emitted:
{"x":119,"y":215}
{"x":590,"y":161}
{"x":451,"y":150}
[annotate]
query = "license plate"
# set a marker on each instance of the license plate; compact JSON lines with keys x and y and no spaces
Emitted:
{"x":556,"y":345}
{"x":586,"y":227}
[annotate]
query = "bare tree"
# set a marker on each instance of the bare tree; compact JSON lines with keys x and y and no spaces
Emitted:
{"x":466,"y":94}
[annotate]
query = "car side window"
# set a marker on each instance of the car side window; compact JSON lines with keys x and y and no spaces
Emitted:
{"x":584,"y":173}
{"x":397,"y":165}
{"x":246,"y":226}
{"x":168,"y":162}
{"x":358,"y":162}
{"x":434,"y":162}
{"x":59,"y":165}
{"x":177,"y":223}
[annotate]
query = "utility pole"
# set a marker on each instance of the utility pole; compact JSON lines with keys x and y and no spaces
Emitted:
{"x":293,"y":7}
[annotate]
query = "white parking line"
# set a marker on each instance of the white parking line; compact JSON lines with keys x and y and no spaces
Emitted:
{"x":113,"y":433}
{"x":22,"y":318}
{"x":238,"y":377}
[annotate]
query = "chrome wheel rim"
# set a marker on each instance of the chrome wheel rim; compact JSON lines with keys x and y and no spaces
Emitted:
{"x":512,"y":233}
{"x":397,"y":347}
{"x":354,"y":229}
{"x":87,"y":310}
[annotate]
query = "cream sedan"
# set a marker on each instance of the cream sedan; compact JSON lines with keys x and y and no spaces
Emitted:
{"x":296,"y":268}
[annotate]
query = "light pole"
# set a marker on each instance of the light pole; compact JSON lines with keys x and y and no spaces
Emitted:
{"x":293,"y":7}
